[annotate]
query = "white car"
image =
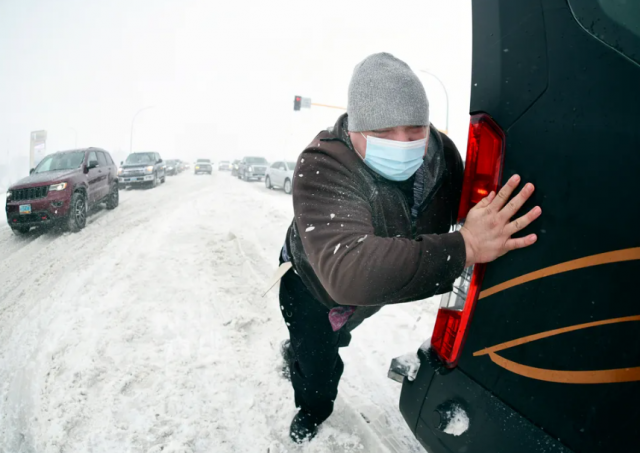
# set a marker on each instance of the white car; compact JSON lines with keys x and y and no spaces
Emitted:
{"x":280,"y":174}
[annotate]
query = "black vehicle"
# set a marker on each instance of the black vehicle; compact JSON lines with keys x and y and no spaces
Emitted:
{"x":143,"y":168}
{"x":203,"y":166}
{"x":172,"y":167}
{"x":540,"y":350}
{"x":235,"y":166}
{"x":253,"y":168}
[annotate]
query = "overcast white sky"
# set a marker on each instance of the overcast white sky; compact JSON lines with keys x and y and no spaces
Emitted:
{"x":221,"y":74}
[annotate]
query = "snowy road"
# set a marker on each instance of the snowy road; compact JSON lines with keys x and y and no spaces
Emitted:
{"x":146,"y":332}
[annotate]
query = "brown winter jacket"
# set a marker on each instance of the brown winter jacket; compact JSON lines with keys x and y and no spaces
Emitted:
{"x":354,"y":240}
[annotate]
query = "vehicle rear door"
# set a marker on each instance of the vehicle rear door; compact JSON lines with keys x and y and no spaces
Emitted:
{"x":113,"y":171}
{"x":104,"y":172}
{"x":94,"y":177}
{"x":275,"y":173}
{"x":555,"y":330}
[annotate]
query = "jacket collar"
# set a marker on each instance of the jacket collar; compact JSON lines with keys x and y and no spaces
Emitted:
{"x":427,"y":179}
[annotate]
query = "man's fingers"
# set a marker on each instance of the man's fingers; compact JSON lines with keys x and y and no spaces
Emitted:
{"x":519,"y":243}
{"x":487,"y":200}
{"x":504,"y":194}
{"x":516,"y":202}
{"x":522,"y":222}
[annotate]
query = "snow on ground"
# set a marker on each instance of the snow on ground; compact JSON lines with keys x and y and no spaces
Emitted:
{"x":146,"y":332}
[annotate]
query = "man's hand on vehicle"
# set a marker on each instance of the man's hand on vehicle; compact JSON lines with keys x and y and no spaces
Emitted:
{"x":488,"y":228}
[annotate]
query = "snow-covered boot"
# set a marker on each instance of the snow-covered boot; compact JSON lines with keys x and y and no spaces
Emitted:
{"x":287,"y":359}
{"x":304,"y":427}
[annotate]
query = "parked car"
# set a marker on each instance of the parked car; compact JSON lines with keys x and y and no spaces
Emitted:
{"x":235,"y":166}
{"x":224,"y":165}
{"x":182,"y":166}
{"x":539,"y":350}
{"x":172,"y":167}
{"x":252,"y":168}
{"x":142,"y":168}
{"x":280,"y":175}
{"x":203,"y":166}
{"x":62,"y":189}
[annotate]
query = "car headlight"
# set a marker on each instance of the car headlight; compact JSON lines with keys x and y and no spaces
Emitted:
{"x":250,"y":168}
{"x":170,"y":168}
{"x":149,"y":169}
{"x":8,"y":194}
{"x":57,"y":187}
{"x":119,"y":171}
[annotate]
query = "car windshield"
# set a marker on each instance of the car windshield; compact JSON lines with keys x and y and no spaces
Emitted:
{"x":203,"y":161}
{"x":141,"y":158}
{"x":291,"y":165}
{"x":224,"y":162}
{"x":61,"y":161}
{"x":172,"y":162}
{"x":256,"y":160}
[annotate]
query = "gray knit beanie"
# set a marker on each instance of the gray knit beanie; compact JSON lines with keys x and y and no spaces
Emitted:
{"x":384,"y":92}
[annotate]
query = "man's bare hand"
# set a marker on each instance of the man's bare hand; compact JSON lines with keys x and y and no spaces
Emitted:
{"x":488,"y":229}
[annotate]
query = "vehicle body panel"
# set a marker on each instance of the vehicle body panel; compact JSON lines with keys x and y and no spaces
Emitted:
{"x":567,"y":103}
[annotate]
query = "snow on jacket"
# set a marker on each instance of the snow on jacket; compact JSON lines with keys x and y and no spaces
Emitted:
{"x":359,"y":239}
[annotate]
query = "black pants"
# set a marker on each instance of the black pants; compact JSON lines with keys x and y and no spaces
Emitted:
{"x":315,"y":366}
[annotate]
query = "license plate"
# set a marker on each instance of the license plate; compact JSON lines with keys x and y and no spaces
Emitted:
{"x":25,"y":209}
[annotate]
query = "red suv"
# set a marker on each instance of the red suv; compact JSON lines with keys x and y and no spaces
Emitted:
{"x":61,"y":189}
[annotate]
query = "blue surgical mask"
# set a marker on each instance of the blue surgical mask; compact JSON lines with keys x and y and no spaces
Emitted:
{"x":396,"y":161}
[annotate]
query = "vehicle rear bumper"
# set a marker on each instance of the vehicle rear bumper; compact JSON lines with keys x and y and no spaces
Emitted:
{"x":135,"y":179}
{"x":493,"y":426}
{"x":44,"y":211}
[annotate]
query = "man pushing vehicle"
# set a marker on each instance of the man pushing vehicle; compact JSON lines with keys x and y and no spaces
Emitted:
{"x":374,"y":200}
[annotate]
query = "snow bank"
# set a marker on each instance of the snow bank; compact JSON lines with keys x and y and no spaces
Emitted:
{"x":157,"y":338}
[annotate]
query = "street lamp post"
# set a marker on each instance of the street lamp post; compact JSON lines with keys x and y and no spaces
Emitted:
{"x":445,"y":94}
{"x":133,"y":121}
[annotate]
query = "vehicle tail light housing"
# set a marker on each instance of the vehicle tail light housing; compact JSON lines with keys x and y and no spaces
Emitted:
{"x":482,"y":174}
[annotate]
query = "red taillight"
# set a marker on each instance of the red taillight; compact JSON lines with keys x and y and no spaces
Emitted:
{"x":483,"y":171}
{"x":483,"y":166}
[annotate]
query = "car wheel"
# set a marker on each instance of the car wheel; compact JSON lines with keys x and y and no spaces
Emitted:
{"x":77,"y":212}
{"x":20,"y":230}
{"x":267,"y":183}
{"x":164,"y":178}
{"x":154,"y":183}
{"x":113,"y":198}
{"x":287,"y":186}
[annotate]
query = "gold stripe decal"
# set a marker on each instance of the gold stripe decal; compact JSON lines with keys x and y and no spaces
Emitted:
{"x":569,"y":377}
{"x":594,"y":260}
{"x":564,"y":377}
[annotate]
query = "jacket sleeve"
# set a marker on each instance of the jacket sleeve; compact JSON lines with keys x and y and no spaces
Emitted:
{"x":356,"y":267}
